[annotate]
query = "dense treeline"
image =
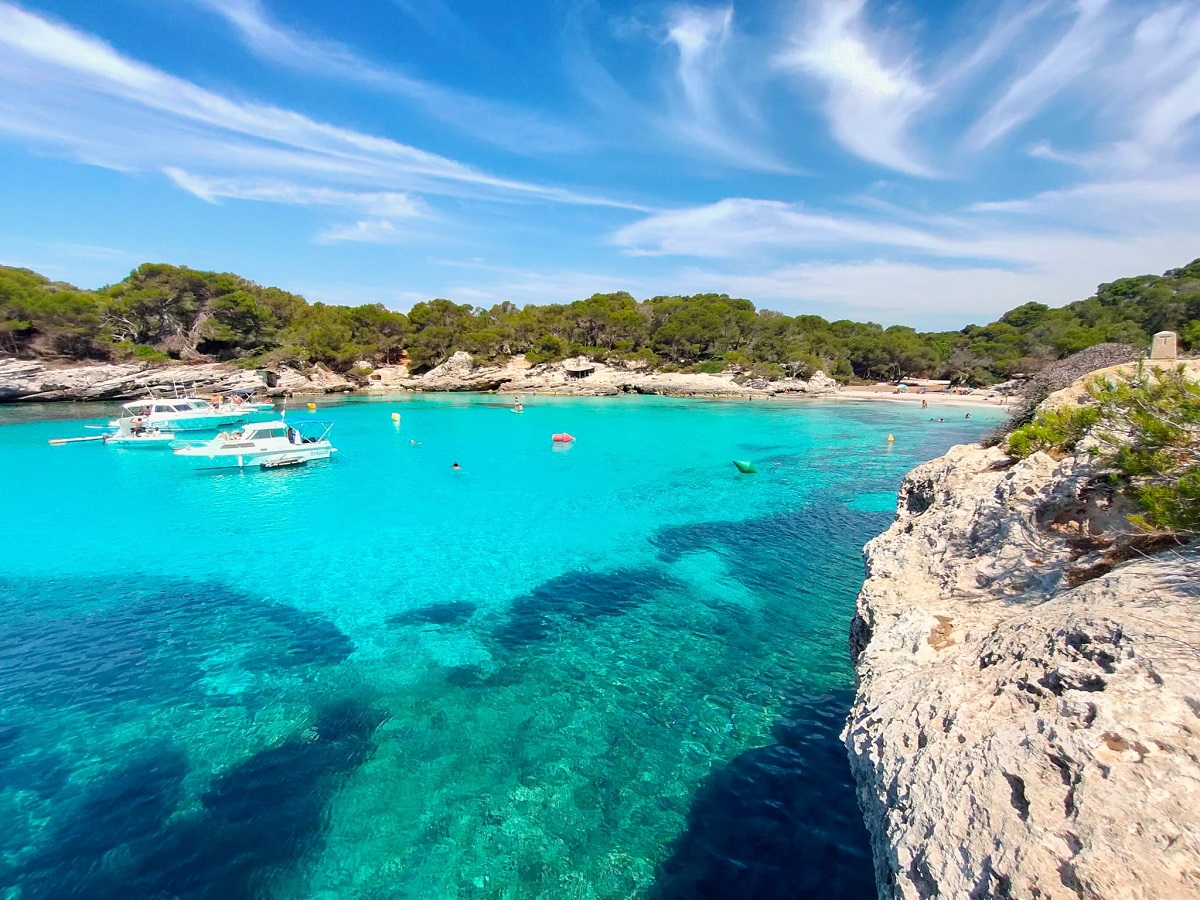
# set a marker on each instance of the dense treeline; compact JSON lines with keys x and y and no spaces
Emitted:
{"x":163,"y":312}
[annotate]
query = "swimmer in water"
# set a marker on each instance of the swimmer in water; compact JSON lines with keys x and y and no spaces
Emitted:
{"x":456,"y":467}
{"x":415,"y":442}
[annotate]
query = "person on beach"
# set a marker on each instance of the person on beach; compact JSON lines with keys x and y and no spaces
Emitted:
{"x":924,"y":404}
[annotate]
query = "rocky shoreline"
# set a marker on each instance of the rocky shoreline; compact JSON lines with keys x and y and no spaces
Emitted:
{"x":1027,"y":716}
{"x":34,"y":381}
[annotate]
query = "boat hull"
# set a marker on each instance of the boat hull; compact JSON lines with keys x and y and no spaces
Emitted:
{"x":149,"y":442}
{"x":192,"y":423}
{"x":256,"y":458}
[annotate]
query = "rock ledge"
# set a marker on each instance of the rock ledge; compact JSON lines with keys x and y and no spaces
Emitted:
{"x":1023,"y":728}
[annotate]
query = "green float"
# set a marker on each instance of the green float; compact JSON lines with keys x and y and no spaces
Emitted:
{"x":745,"y":466}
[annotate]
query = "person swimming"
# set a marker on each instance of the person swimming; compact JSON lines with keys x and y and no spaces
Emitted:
{"x":456,"y":467}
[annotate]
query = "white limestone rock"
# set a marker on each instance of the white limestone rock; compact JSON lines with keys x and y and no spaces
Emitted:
{"x":1014,"y":735}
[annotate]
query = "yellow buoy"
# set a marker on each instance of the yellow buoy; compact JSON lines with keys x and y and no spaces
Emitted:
{"x":312,"y":407}
{"x":890,"y":439}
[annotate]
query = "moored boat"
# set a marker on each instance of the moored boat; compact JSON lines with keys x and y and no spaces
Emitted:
{"x":273,"y":444}
{"x":134,"y":433}
{"x":182,"y":414}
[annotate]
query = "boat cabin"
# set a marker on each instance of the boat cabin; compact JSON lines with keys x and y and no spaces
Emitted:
{"x":166,"y":407}
{"x":253,"y":432}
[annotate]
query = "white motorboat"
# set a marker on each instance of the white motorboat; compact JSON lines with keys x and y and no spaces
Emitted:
{"x":181,"y":414}
{"x":269,"y":445}
{"x":133,"y":433}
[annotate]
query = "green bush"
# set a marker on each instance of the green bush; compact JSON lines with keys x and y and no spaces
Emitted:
{"x":1147,"y":432}
{"x":1151,"y":437}
{"x":149,"y":354}
{"x":1058,"y":431}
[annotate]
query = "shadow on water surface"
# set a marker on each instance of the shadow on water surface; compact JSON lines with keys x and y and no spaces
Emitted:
{"x":779,"y":822}
{"x":127,"y":837}
{"x":91,"y":643}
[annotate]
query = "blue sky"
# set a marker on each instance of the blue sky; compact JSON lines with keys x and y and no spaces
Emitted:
{"x":928,"y":163}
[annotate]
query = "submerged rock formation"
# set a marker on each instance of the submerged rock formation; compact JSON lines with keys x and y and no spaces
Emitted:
{"x":1027,"y":716}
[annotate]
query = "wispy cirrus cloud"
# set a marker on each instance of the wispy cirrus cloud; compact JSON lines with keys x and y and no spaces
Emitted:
{"x":1070,"y":57}
{"x":704,"y":93}
{"x":495,"y":122}
{"x":364,"y":231}
{"x":871,"y":93}
{"x":739,"y":226}
{"x":377,"y":203}
{"x":72,"y":93}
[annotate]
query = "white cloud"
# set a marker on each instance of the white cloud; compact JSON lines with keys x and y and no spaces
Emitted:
{"x":364,"y":231}
{"x":376,"y":203}
{"x":708,"y":91}
{"x":74,"y":93}
{"x":498,"y":123}
{"x":1069,"y":58}
{"x":738,"y":226}
{"x":870,"y":101}
{"x":899,"y":266}
{"x":699,"y":36}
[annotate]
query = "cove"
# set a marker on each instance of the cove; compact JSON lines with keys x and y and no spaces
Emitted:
{"x":607,"y":669}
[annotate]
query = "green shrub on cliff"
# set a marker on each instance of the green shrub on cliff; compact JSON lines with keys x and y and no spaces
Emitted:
{"x":1057,"y":432}
{"x":1150,"y":435}
{"x":1147,"y":432}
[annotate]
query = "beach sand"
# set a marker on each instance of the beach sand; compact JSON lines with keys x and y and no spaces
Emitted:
{"x":936,"y":400}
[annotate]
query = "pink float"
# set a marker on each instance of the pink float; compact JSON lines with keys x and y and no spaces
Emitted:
{"x":563,"y":438}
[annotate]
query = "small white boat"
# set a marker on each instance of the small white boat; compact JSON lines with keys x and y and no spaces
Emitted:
{"x":269,"y":445}
{"x":133,"y":433}
{"x":182,"y":414}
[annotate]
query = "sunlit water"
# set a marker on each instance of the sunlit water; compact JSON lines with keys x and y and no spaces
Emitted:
{"x":611,"y":669}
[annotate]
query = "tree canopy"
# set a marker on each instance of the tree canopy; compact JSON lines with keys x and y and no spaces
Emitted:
{"x":164,"y":312}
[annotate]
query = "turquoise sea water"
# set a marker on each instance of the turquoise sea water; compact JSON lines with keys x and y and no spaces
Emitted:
{"x":611,"y":669}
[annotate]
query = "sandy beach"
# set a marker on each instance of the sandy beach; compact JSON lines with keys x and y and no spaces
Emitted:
{"x":936,"y":400}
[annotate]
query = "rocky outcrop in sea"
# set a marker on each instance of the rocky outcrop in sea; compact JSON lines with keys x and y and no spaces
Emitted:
{"x":1027,"y":715}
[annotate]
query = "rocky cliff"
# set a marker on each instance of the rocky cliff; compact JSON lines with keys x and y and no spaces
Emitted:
{"x":31,"y":381}
{"x":1027,"y":716}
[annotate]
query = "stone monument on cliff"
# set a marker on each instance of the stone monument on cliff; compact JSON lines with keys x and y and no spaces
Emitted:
{"x":1164,"y":346}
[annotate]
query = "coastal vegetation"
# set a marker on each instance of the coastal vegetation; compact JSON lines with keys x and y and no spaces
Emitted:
{"x":163,"y":312}
{"x":1145,"y":429}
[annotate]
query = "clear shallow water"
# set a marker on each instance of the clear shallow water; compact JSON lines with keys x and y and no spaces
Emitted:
{"x":606,"y":670}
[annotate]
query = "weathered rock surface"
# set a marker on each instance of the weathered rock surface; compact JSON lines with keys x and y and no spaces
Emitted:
{"x":30,"y":380}
{"x":33,"y":380}
{"x":459,"y":373}
{"x":1027,"y":720}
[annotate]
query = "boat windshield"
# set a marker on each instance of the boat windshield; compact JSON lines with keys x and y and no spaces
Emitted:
{"x":273,"y":431}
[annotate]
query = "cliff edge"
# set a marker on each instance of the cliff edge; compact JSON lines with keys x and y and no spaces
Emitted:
{"x":1027,"y":716}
